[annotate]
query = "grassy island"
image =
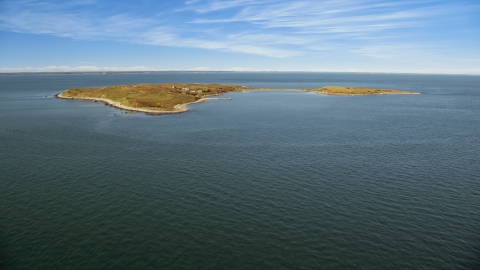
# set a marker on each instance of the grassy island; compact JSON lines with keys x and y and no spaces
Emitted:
{"x":174,"y":98}
{"x":356,"y":91}
{"x":152,"y":98}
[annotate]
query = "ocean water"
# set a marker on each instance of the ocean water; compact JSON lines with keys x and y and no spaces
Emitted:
{"x":267,"y":180}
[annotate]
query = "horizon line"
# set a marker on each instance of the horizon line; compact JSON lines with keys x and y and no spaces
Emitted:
{"x":227,"y":71}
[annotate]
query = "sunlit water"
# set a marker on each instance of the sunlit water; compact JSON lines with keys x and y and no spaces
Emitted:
{"x":267,"y":180}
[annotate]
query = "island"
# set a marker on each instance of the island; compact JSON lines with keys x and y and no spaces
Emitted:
{"x":357,"y":91}
{"x":173,"y":98}
{"x":152,"y":98}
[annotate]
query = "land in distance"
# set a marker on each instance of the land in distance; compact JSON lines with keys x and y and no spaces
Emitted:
{"x":358,"y":91}
{"x":174,"y":98}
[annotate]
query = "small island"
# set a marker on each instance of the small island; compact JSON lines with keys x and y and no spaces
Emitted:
{"x":357,"y":91}
{"x":174,"y":98}
{"x":152,"y":98}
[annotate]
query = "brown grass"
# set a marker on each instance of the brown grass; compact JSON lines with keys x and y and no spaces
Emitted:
{"x":352,"y":91}
{"x":163,"y":97}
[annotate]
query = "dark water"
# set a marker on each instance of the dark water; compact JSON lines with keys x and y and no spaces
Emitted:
{"x":268,"y":180}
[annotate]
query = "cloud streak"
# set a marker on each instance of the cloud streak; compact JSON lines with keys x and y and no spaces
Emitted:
{"x":272,"y":28}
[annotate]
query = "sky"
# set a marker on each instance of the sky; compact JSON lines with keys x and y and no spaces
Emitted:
{"x":431,"y":36}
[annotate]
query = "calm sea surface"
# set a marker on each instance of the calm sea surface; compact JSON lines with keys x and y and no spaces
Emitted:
{"x":267,"y":180}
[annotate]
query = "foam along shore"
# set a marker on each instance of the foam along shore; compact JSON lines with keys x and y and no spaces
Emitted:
{"x":154,"y":99}
{"x":359,"y":91}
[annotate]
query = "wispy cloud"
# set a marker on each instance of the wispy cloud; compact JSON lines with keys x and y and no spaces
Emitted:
{"x":273,"y":28}
{"x":212,"y":6}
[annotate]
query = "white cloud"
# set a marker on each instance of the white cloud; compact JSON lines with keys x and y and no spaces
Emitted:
{"x":216,"y":5}
{"x":273,"y":28}
{"x":52,"y":20}
{"x":200,"y":69}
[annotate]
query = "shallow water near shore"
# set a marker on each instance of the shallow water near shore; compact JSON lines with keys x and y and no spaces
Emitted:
{"x":269,"y":179}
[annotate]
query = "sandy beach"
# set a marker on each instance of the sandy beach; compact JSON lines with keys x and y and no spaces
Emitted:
{"x":180,"y":108}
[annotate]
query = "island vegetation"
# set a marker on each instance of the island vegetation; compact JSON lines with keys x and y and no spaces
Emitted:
{"x":357,"y":91}
{"x":174,"y":98}
{"x":152,"y":98}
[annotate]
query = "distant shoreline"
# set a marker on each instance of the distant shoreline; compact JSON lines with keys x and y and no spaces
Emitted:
{"x":223,"y":71}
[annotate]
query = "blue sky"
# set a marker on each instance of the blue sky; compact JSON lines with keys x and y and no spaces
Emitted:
{"x":433,"y":36}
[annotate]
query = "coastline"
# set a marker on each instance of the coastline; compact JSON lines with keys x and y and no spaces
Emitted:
{"x":179,"y":108}
{"x":373,"y":94}
{"x":359,"y":91}
{"x":182,"y":107}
